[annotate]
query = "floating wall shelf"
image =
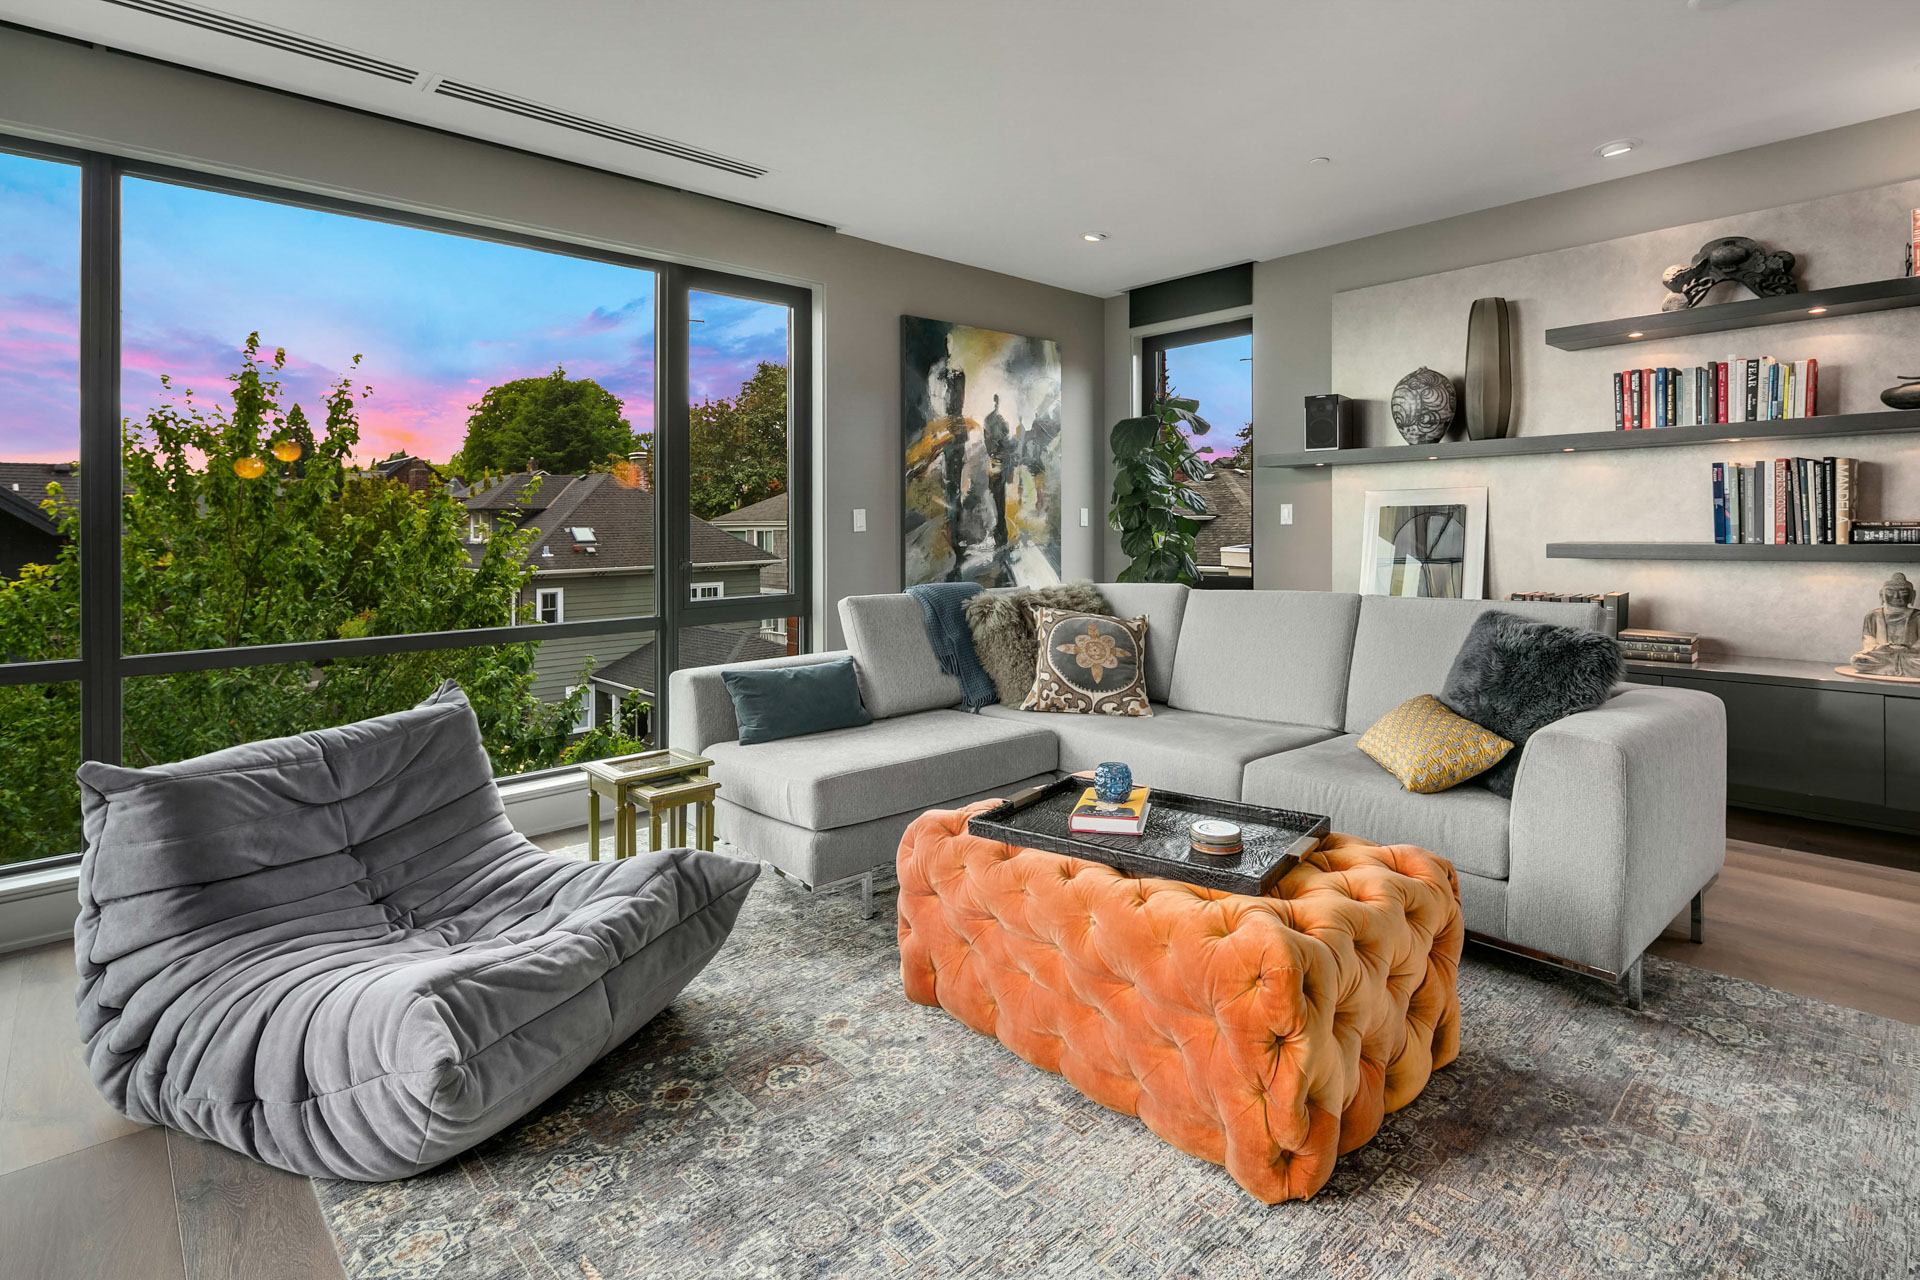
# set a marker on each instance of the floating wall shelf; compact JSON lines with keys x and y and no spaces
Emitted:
{"x":1858,"y":553}
{"x":1836,"y":424}
{"x":1749,"y":313}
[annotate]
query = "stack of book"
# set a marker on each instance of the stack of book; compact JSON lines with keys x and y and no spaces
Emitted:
{"x":1644,"y":645}
{"x":1094,"y":816}
{"x":1613,"y":604}
{"x":1737,"y":389}
{"x":1885,"y":531}
{"x":1788,"y":500}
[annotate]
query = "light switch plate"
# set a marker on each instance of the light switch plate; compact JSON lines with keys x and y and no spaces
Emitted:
{"x":859,"y":519}
{"x":1083,"y":517}
{"x":1286,"y":513}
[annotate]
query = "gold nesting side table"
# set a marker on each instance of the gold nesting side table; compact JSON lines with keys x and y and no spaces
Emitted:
{"x":665,"y":783}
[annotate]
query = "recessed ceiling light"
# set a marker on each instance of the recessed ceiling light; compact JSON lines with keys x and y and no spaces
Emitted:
{"x":1321,"y":160}
{"x":1636,"y":334}
{"x":1618,"y":147}
{"x":1093,"y":237}
{"x":1816,"y":311}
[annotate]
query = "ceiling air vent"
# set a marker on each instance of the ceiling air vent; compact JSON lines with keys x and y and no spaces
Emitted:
{"x":290,"y":42}
{"x":598,"y":129}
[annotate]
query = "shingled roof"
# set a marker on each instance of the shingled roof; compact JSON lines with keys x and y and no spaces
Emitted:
{"x":1229,"y":497}
{"x":621,"y":518}
{"x":28,"y":481}
{"x":768,"y":512}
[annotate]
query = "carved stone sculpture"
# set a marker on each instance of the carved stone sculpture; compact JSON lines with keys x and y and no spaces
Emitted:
{"x":1768,"y":272}
{"x":1890,"y":635}
{"x":1423,"y":405}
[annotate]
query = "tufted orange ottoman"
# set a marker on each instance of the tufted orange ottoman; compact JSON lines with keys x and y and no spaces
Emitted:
{"x":1263,"y":1034}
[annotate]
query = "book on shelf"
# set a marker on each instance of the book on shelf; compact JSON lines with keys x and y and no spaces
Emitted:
{"x":1094,"y":816}
{"x":1737,"y":389}
{"x":1613,"y":604}
{"x":1644,"y":644}
{"x":1913,"y":246}
{"x":1884,"y":531}
{"x":1786,"y":501}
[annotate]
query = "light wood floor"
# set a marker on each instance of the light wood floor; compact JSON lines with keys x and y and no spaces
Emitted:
{"x":87,"y":1195}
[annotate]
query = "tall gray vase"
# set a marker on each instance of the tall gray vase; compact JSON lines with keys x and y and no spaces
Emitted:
{"x":1489,"y":370}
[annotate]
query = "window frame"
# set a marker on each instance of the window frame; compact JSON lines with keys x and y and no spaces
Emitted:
{"x":1154,"y":348}
{"x":540,"y":595}
{"x":697,"y":590}
{"x":103,"y":665}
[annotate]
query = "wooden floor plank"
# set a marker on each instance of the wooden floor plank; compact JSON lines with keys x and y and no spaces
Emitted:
{"x":242,"y":1220}
{"x":49,"y":1107}
{"x":1818,"y":926}
{"x":105,"y":1213}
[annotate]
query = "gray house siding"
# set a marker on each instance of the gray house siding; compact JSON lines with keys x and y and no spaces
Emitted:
{"x":557,"y":663}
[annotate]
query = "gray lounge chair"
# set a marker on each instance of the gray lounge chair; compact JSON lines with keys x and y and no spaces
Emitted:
{"x":332,"y":953}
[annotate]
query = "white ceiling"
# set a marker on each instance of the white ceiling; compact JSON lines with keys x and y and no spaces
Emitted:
{"x":995,"y":132}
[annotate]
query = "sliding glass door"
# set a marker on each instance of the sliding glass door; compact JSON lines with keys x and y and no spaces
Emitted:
{"x":272,"y":463}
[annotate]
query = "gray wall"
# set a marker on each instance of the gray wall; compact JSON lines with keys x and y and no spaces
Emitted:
{"x":1294,"y":296}
{"x":62,"y":92}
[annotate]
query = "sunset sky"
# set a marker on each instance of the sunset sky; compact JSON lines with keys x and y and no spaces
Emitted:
{"x":437,"y":318}
{"x":1219,"y":375}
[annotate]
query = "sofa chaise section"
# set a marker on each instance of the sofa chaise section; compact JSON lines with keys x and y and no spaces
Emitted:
{"x":830,"y":807}
{"x":1618,"y":816}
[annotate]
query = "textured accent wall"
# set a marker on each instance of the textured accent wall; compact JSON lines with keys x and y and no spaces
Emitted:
{"x":1807,"y":611}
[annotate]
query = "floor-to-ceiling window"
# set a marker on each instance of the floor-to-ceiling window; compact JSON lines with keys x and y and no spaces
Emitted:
{"x":39,"y":490}
{"x":341,"y":455}
{"x":1213,"y":364}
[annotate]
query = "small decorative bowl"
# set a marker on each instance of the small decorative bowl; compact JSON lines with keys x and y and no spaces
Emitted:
{"x":1112,"y":782}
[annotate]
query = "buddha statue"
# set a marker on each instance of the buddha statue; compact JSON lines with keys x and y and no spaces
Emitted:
{"x":1890,"y":635}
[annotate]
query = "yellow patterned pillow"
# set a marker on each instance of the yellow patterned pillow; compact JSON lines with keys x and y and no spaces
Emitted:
{"x":1429,"y":748}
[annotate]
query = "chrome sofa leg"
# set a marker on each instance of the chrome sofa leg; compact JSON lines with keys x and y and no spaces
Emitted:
{"x":1630,"y":983}
{"x":866,"y":896}
{"x":1699,"y":930}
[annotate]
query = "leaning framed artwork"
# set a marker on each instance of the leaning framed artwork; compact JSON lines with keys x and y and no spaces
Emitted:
{"x":980,"y":455}
{"x":1424,"y":542}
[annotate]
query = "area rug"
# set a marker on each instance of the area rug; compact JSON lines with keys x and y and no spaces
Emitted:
{"x":793,"y":1115}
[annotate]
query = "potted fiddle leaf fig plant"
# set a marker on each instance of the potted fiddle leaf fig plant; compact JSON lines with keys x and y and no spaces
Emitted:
{"x":1154,"y":501}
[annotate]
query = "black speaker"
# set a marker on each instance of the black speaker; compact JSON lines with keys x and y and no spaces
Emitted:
{"x":1329,"y":422}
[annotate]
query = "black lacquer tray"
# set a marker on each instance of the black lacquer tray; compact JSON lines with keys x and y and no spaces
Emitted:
{"x":1272,"y":840}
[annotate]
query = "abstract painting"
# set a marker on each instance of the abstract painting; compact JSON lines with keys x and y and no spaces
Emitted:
{"x":1424,"y":542}
{"x":980,"y":435}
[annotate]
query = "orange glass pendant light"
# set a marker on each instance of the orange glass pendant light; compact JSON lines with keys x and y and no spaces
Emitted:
{"x":287,"y":450}
{"x":249,"y":467}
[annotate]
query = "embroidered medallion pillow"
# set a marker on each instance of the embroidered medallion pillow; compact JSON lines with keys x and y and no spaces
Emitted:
{"x":1090,"y":664}
{"x":1429,"y":748}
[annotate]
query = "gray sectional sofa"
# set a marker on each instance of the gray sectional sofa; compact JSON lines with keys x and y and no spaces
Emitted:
{"x":1617,"y":820}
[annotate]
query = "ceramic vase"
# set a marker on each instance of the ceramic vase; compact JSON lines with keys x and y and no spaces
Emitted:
{"x":1112,"y":782}
{"x":1423,"y":405}
{"x":1489,"y":369}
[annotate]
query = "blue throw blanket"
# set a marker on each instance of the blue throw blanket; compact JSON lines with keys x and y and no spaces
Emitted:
{"x":944,"y":604}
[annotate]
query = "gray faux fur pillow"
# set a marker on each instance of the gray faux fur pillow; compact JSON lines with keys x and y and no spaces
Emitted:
{"x":1003,"y":634}
{"x":1515,"y":677}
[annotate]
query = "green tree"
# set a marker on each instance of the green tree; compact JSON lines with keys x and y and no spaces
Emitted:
{"x":566,"y":425}
{"x":737,"y":451}
{"x":223,"y":546}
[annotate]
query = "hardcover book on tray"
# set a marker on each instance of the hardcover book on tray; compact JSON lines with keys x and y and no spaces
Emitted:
{"x":1094,"y":816}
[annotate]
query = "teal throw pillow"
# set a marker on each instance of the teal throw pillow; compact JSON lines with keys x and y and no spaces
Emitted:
{"x":770,"y":703}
